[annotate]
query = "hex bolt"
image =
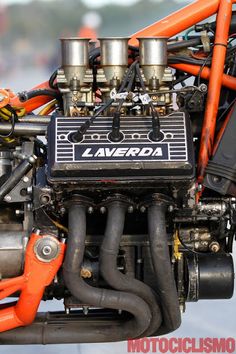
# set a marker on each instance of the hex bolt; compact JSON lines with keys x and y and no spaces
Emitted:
{"x":25,"y":179}
{"x":130,"y":209}
{"x":171,"y":208}
{"x":103,"y":210}
{"x":203,"y":88}
{"x":7,"y":198}
{"x":46,"y":250}
{"x":90,"y":210}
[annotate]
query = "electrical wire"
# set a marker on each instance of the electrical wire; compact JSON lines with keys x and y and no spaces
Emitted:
{"x":13,"y":119}
{"x":155,"y":116}
{"x":202,"y":68}
{"x":77,"y":136}
{"x":48,"y":108}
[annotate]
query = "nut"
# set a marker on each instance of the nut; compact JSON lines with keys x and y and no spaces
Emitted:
{"x":85,"y":273}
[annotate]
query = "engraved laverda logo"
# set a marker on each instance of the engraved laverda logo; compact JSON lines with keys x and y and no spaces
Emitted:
{"x":124,"y":152}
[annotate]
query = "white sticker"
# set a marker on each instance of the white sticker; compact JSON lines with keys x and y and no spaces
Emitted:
{"x":145,"y":99}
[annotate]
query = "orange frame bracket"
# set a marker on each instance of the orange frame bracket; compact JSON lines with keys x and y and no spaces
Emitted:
{"x":44,"y":256}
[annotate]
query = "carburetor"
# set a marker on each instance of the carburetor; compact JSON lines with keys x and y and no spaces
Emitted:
{"x":84,"y":86}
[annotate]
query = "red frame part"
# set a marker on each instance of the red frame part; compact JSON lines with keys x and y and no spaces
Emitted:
{"x":37,"y":275}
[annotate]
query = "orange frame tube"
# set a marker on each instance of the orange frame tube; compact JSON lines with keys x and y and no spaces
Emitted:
{"x":215,"y":83}
{"x":227,"y":80}
{"x":180,"y":21}
{"x":37,"y":275}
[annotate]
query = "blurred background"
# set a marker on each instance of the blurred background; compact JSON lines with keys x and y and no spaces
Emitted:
{"x":29,"y":53}
{"x":30,"y":30}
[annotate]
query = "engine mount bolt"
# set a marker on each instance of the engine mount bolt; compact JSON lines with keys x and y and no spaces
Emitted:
{"x":130,"y":209}
{"x":143,"y":209}
{"x":46,"y":250}
{"x":90,"y":210}
{"x":171,"y":208}
{"x":103,"y":210}
{"x":7,"y":198}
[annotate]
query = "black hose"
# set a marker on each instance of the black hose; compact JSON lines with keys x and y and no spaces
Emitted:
{"x":27,"y":95}
{"x":97,"y":297}
{"x":108,"y":264}
{"x":184,"y":44}
{"x":162,"y":267}
{"x":52,"y":79}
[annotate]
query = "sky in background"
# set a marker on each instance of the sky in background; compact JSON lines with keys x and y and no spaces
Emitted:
{"x":97,"y":3}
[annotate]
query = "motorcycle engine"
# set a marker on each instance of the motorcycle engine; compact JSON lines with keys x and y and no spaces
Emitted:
{"x":117,"y":137}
